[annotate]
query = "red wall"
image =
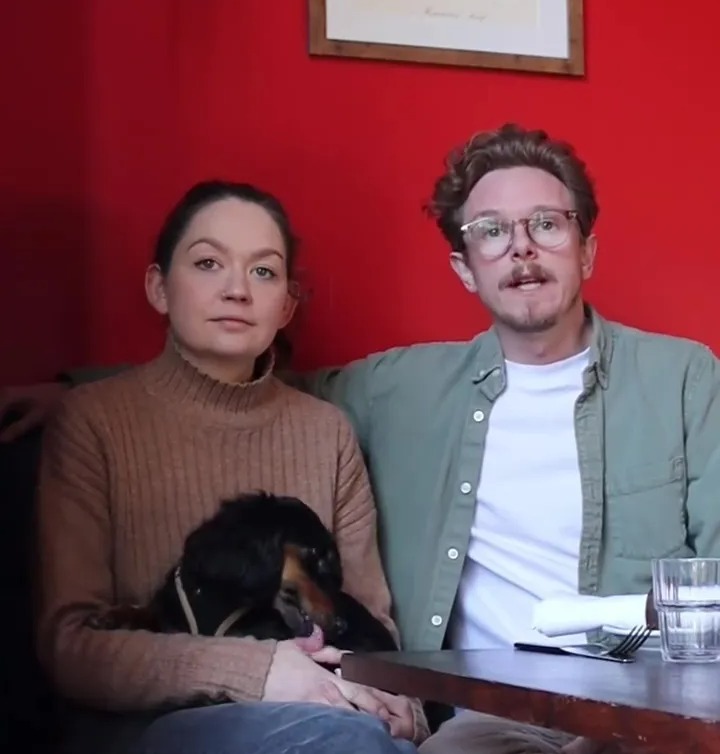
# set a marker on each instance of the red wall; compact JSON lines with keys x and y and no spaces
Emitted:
{"x":111,"y":109}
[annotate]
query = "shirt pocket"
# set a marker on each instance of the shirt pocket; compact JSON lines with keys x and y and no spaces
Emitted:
{"x":645,"y":510}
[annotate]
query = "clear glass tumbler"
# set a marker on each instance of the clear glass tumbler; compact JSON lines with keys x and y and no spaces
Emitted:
{"x":686,"y":592}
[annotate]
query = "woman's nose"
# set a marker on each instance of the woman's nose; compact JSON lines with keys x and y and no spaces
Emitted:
{"x":236,"y":287}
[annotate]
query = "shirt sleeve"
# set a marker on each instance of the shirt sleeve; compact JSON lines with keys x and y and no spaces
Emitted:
{"x":356,"y":532}
{"x":357,"y":539}
{"x":702,"y":453}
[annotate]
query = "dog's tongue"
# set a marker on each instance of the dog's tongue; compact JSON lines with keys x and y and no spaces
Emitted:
{"x":313,"y":643}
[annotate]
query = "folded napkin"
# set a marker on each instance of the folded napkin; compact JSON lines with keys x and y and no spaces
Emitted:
{"x":557,"y":616}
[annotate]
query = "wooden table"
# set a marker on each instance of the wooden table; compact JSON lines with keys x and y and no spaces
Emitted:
{"x":662,"y":707}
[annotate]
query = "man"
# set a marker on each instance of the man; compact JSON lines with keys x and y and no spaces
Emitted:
{"x":555,"y":453}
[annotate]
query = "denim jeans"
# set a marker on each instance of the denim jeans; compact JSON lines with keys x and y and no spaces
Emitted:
{"x":269,"y":728}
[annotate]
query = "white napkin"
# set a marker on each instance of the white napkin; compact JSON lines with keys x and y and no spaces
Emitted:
{"x":557,"y":616}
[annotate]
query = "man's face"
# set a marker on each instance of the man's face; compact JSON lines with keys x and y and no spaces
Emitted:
{"x":529,"y":288}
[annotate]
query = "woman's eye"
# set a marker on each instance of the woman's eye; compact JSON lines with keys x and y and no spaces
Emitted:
{"x":265,"y":272}
{"x":206,"y":264}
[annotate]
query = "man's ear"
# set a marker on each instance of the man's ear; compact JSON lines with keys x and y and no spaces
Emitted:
{"x":587,"y":259}
{"x":461,"y":269}
{"x":155,"y":289}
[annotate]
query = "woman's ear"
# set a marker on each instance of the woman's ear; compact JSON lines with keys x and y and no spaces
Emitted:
{"x":291,"y":302}
{"x":288,"y":310}
{"x":155,"y":289}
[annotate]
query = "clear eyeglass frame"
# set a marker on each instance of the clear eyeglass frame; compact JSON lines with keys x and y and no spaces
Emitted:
{"x":495,"y":247}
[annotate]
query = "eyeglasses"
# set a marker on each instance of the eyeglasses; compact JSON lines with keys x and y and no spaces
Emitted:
{"x":493,"y":236}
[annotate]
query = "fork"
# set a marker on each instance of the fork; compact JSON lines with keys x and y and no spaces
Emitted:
{"x":622,"y":652}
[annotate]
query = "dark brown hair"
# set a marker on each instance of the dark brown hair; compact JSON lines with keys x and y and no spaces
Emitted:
{"x":509,"y":146}
{"x":203,"y":194}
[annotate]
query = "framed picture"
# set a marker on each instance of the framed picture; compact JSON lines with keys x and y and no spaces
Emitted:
{"x":545,"y":36}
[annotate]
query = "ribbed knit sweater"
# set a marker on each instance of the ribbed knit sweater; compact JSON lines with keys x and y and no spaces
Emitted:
{"x":130,"y":466}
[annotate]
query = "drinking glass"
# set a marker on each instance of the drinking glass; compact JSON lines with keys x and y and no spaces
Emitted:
{"x":686,"y":592}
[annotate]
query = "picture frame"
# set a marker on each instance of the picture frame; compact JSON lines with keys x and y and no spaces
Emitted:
{"x":542,"y":36}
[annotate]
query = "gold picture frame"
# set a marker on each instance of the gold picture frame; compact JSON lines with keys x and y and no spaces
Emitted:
{"x":573,"y":64}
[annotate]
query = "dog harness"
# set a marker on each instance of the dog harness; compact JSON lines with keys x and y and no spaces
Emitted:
{"x":221,"y":630}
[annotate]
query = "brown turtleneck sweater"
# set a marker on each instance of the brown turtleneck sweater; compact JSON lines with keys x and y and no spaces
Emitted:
{"x":130,"y":466}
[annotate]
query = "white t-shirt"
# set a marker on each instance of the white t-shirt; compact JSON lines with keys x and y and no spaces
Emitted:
{"x":525,"y":538}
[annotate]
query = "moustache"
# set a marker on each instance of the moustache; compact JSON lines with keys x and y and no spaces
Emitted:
{"x":526,"y":273}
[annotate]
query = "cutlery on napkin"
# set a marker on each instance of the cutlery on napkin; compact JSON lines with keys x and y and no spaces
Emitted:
{"x":557,"y":616}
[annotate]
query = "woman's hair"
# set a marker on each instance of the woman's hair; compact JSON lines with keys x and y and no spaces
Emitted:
{"x":208,"y":192}
{"x":510,"y":146}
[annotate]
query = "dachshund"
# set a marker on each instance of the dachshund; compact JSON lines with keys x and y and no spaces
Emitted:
{"x":263,"y":566}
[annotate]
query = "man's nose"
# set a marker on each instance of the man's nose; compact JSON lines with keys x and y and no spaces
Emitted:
{"x":522,"y":246}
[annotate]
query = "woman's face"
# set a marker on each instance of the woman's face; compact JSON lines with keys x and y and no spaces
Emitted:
{"x":226,"y":293}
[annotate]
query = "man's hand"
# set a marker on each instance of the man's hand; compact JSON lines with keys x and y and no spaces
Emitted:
{"x":296,"y":677}
{"x":34,"y":403}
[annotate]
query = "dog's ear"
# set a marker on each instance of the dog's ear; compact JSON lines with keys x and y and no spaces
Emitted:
{"x":248,"y":561}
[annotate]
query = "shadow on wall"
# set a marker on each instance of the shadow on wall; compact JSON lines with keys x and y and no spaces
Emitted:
{"x":43,"y":302}
{"x":43,"y":187}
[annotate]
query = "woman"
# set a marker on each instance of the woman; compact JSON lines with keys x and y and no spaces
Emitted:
{"x":132,"y":464}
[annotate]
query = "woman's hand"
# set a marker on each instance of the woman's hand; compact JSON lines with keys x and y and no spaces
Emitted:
{"x":402,"y":724}
{"x":295,"y":677}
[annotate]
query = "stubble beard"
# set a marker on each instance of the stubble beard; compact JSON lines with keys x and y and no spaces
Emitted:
{"x":530,"y":323}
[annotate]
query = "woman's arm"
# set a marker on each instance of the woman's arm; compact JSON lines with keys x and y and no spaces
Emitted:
{"x":119,"y":670}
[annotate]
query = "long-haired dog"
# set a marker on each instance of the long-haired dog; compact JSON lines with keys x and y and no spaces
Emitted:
{"x":262,"y":566}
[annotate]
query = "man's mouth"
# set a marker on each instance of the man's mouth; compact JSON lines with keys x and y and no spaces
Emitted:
{"x":527,"y":284}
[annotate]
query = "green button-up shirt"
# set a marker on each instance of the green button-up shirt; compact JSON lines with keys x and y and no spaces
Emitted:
{"x":647,"y":425}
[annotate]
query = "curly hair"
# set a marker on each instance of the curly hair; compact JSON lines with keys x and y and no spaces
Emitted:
{"x":509,"y":146}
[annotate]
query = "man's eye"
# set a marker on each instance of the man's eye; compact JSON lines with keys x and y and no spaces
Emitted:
{"x":489,"y":230}
{"x":543,"y":223}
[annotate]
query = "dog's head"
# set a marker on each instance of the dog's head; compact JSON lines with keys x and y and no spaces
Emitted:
{"x":266,"y":550}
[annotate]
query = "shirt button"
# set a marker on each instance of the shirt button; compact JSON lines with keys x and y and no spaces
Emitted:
{"x":452,"y":553}
{"x":436,"y":620}
{"x":478,"y":416}
{"x":465,"y":488}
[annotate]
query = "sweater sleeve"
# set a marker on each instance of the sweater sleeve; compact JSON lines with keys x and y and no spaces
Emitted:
{"x":114,"y":670}
{"x":357,"y":540}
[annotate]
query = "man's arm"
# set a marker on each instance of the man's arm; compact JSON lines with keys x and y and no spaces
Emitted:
{"x":702,"y":451}
{"x":26,"y":407}
{"x":346,"y":387}
{"x":81,"y":375}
